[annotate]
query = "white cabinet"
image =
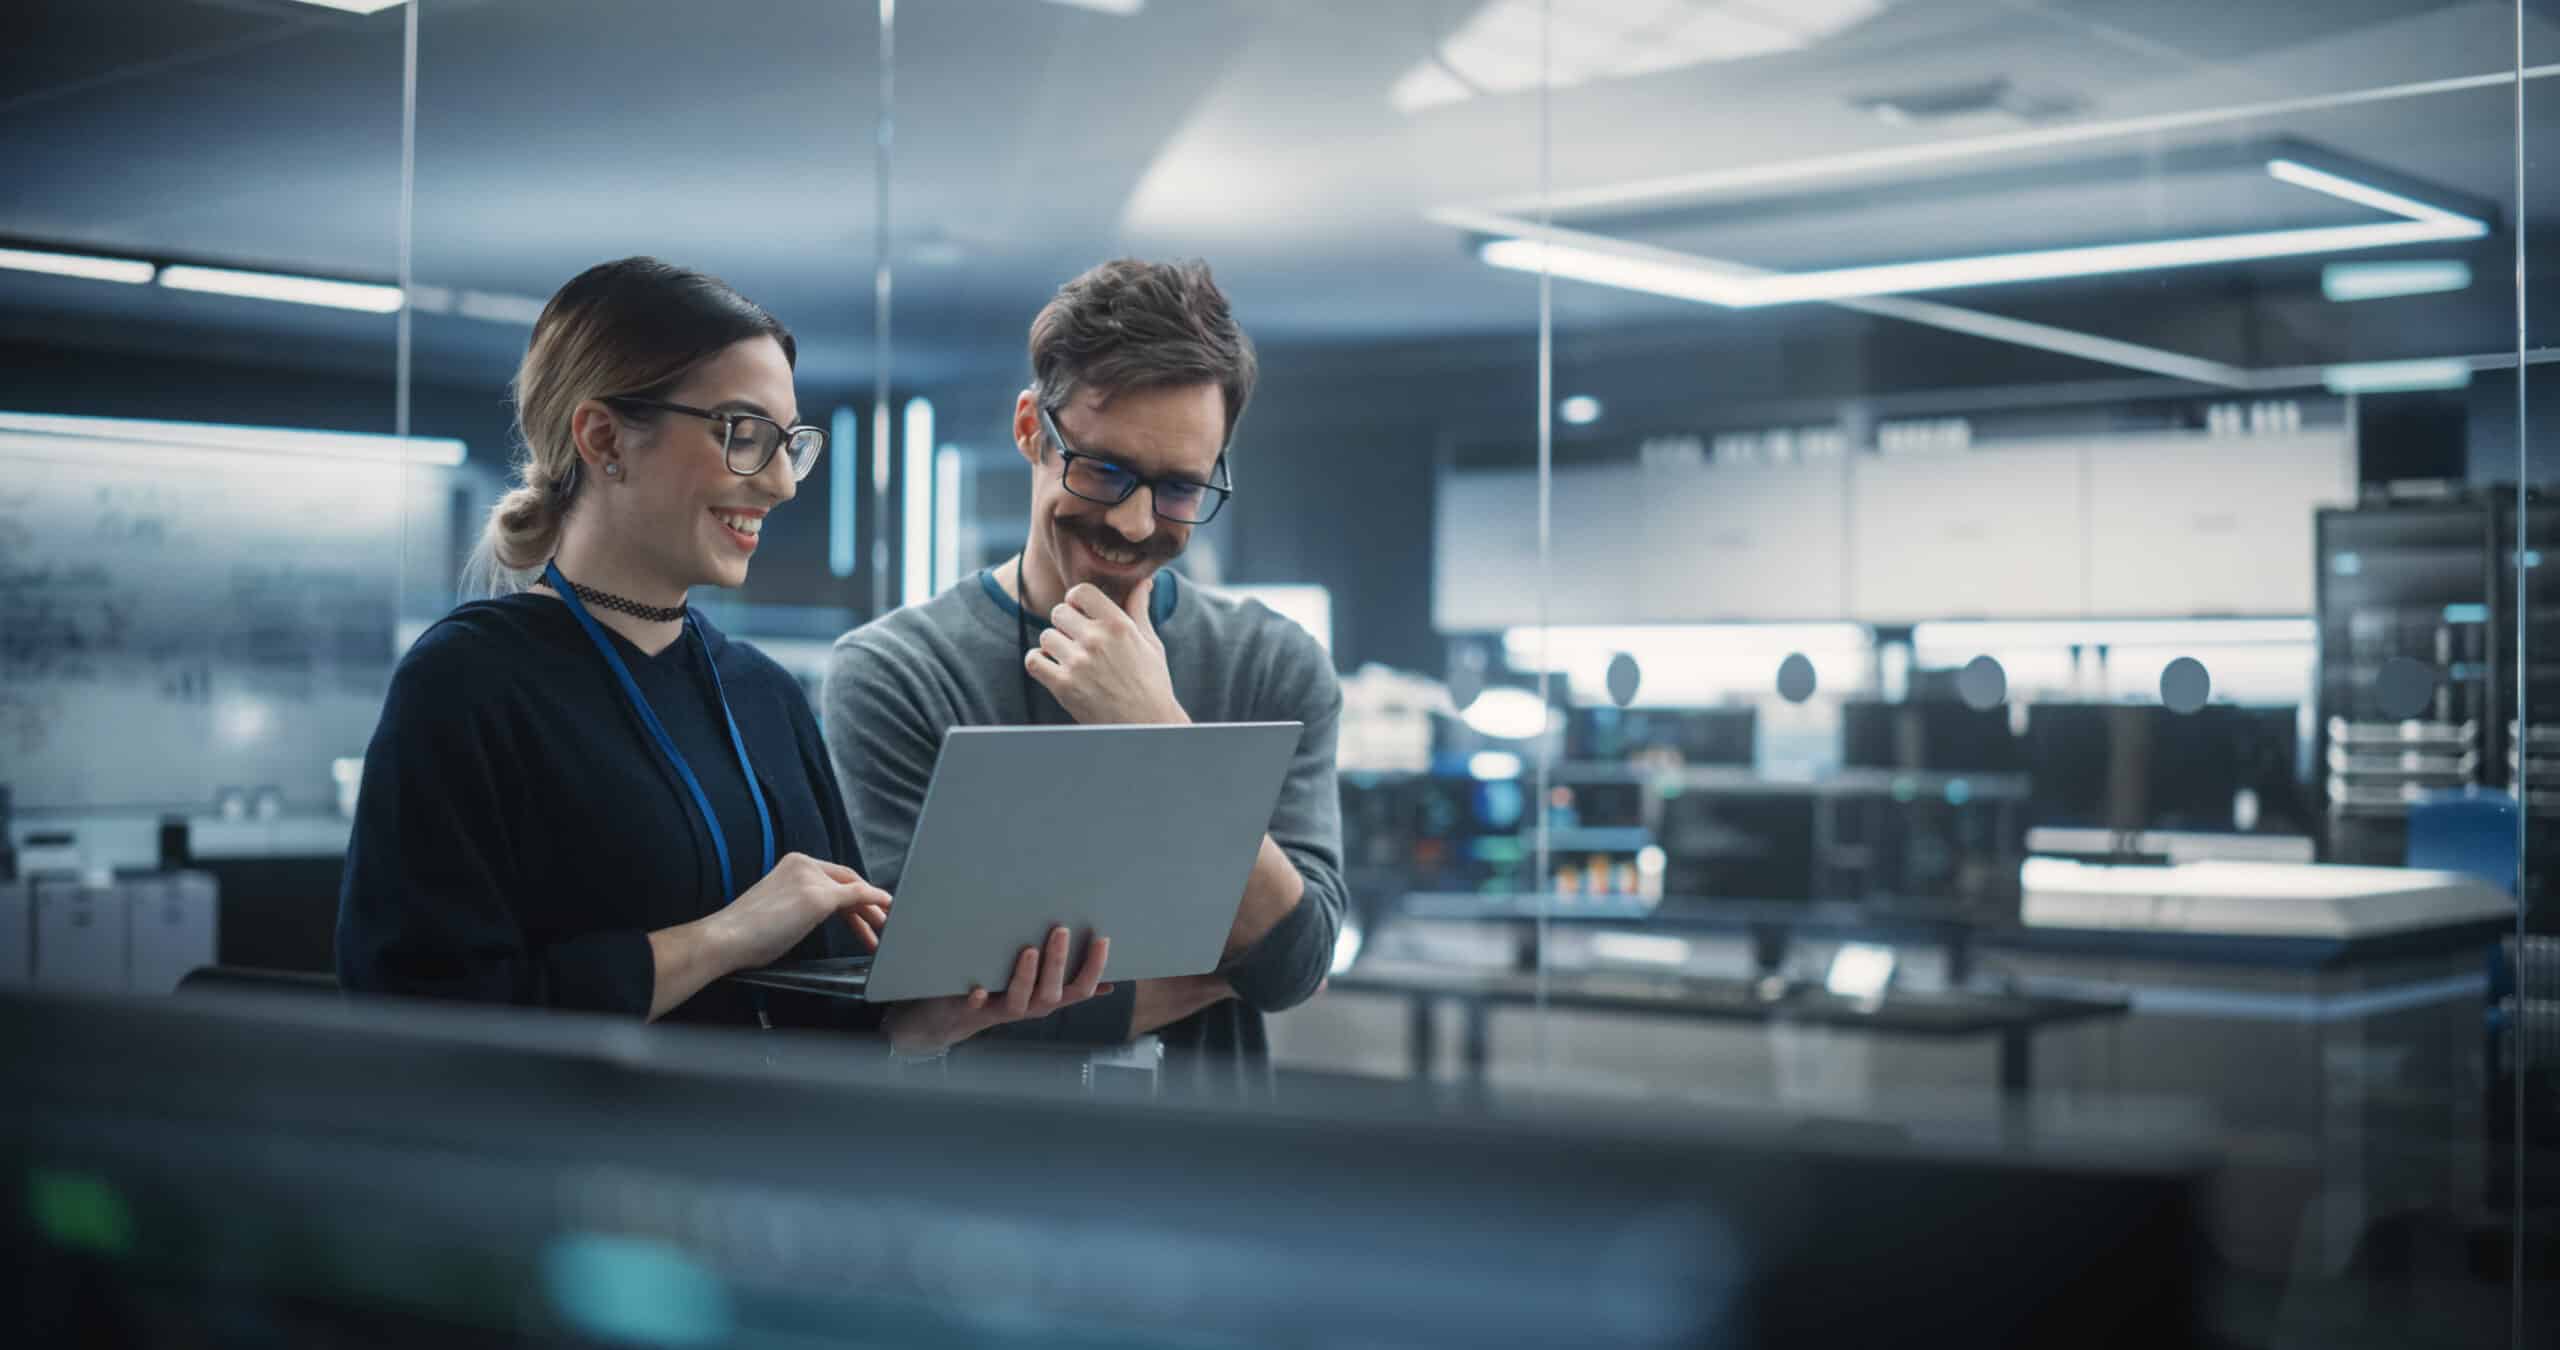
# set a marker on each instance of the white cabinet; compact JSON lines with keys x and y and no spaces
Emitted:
{"x":17,"y":936}
{"x":1988,"y":533}
{"x":2180,"y":526}
{"x":2116,"y":527}
{"x":1484,"y":566}
{"x":169,"y":922}
{"x":1742,"y":542}
{"x":1485,"y":550}
{"x":79,"y":937}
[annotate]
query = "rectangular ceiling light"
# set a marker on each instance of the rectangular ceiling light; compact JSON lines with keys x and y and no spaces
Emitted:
{"x":1123,"y":7}
{"x":2345,"y":282}
{"x":2396,"y":377}
{"x":124,"y":270}
{"x":290,"y":289}
{"x":1512,"y":46}
{"x":355,"y":6}
{"x":2418,"y":222}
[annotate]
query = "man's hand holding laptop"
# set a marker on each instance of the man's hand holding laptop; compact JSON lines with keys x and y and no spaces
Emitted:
{"x":1038,"y":988}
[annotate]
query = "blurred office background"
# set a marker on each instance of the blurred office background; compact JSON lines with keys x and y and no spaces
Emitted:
{"x":1980,"y":588}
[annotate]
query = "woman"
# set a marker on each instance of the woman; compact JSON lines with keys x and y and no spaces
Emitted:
{"x":581,"y":795}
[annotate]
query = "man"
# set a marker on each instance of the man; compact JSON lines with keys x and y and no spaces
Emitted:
{"x":1139,"y":373}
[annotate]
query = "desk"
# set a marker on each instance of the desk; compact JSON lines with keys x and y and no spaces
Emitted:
{"x":2013,"y":1018}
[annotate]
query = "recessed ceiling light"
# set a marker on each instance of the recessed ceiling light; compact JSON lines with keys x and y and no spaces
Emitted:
{"x":354,"y":6}
{"x":1104,"y":6}
{"x":125,"y":270}
{"x":1504,"y":46}
{"x":1581,"y":410}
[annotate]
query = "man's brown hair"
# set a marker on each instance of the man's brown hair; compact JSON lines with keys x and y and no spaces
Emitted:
{"x":1129,"y":324}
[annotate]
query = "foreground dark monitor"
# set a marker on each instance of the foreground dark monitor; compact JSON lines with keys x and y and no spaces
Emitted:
{"x":189,"y":1171}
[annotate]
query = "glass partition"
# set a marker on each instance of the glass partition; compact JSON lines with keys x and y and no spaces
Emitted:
{"x":201,"y":522}
{"x":556,"y":137}
{"x":2022,"y":535}
{"x":2513,"y":412}
{"x":1301,"y":151}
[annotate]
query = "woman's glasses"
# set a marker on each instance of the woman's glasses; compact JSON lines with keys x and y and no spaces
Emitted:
{"x":747,"y":441}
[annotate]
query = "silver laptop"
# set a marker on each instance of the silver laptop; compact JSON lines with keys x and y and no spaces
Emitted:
{"x":1144,"y":835}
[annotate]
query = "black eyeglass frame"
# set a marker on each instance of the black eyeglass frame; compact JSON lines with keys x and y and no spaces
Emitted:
{"x":729,"y":432}
{"x":1220,"y":488}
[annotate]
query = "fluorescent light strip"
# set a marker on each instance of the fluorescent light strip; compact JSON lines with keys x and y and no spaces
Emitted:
{"x":2396,"y":377}
{"x":1691,"y":665}
{"x":355,"y":6}
{"x":2365,"y":194}
{"x":49,"y":433}
{"x":1928,"y":313}
{"x":276,"y":286}
{"x":946,"y":518}
{"x":123,"y":270}
{"x":1701,"y":280}
{"x":841,"y":506}
{"x":1677,"y":281}
{"x":915,"y":575}
{"x":1983,"y":635}
{"x":2349,"y":282}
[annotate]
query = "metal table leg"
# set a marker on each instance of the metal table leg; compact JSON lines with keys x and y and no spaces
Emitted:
{"x":2017,"y":1060}
{"x":1478,"y":1047}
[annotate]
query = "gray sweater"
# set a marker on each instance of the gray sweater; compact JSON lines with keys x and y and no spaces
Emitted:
{"x":897,"y":683}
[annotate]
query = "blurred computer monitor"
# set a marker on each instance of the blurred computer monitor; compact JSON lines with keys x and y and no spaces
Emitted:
{"x":182,"y":1172}
{"x":2142,"y":767}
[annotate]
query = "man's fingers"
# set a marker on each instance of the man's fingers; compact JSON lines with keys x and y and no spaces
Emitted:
{"x":1089,"y":979}
{"x":1053,"y":967}
{"x":1070,"y":620}
{"x":1043,"y":668}
{"x":1017,"y":995}
{"x":839,"y":873}
{"x":863,"y":930}
{"x":1057,"y":644}
{"x":1141,"y":606}
{"x":1089,"y":599}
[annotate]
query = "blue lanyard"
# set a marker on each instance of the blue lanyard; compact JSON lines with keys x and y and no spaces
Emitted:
{"x":666,"y":744}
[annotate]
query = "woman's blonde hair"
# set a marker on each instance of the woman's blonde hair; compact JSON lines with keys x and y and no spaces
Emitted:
{"x":634,"y":327}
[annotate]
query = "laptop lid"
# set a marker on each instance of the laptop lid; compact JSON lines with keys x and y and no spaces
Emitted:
{"x":1143,"y":834}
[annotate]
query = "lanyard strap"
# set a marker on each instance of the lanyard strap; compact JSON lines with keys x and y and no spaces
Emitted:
{"x":658,"y":731}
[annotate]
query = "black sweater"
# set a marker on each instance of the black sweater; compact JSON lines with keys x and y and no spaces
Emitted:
{"x":518,"y":835}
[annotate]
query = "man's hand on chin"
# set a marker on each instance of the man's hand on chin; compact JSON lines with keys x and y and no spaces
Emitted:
{"x":1104,"y":661}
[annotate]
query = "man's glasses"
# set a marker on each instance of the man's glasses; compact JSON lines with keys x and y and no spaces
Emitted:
{"x":747,"y":442}
{"x":1184,"y":501}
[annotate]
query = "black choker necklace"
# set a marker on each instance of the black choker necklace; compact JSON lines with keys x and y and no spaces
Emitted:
{"x":649,"y":613}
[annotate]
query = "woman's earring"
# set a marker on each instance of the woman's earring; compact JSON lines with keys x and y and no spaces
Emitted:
{"x":612,"y":469}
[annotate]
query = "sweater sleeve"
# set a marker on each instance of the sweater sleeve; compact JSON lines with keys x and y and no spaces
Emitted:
{"x":1289,"y":963}
{"x":427,"y":906}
